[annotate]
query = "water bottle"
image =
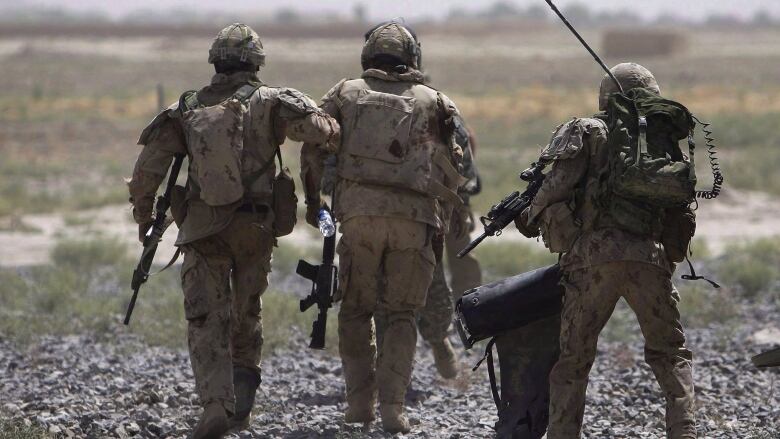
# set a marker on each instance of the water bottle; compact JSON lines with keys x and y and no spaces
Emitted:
{"x":325,"y":221}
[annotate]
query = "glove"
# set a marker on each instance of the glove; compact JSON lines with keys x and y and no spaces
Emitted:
{"x":312,"y":211}
{"x":528,"y":230}
{"x":143,"y":229}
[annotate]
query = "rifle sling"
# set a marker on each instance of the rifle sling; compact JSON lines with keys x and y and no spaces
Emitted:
{"x":491,"y":371}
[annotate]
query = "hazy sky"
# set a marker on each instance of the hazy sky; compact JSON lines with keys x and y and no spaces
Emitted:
{"x":412,"y":9}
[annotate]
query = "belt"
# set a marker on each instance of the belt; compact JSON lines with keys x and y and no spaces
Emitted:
{"x":253,"y":208}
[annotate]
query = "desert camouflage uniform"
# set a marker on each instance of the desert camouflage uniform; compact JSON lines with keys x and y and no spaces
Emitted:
{"x":435,"y":318}
{"x":386,"y":253}
{"x":227,"y":249}
{"x":604,"y":264}
{"x":465,"y":272}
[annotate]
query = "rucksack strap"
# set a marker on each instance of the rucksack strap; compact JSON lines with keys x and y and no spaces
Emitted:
{"x":250,"y":179}
{"x":694,"y":276}
{"x":245,"y":92}
{"x":188,"y":101}
{"x":491,"y":371}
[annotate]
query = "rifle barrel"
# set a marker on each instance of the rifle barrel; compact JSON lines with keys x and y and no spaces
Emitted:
{"x":131,"y":306}
{"x":472,"y":245}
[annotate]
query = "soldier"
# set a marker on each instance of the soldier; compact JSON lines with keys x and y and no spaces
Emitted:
{"x":465,"y":272}
{"x":396,"y":182}
{"x":603,"y":261}
{"x":435,"y":318}
{"x":230,"y":130}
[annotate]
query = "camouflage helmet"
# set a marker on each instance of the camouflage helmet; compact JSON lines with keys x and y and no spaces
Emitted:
{"x":237,"y":42}
{"x":629,"y":75}
{"x":394,"y":39}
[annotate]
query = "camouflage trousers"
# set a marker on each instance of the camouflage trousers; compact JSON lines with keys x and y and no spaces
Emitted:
{"x":386,"y":267}
{"x":591,"y":296}
{"x":465,"y":273}
{"x":434,"y":319}
{"x":526,"y":356}
{"x":223,"y":277}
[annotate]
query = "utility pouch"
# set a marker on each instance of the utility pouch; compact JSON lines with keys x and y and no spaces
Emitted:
{"x":632,"y":217}
{"x":679,"y":226}
{"x":285,"y":203}
{"x":559,"y":227}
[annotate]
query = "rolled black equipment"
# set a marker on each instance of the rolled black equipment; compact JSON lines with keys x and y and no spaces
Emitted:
{"x":508,"y":304}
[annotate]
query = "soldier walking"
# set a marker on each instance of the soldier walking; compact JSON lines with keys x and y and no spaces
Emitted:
{"x":396,"y":184}
{"x":611,"y":248}
{"x":235,"y":207}
{"x":435,"y":317}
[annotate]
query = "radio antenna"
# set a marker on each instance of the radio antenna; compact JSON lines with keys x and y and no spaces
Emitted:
{"x":584,"y":43}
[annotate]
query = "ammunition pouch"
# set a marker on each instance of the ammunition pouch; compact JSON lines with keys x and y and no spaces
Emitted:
{"x":679,"y":226}
{"x":285,"y":203}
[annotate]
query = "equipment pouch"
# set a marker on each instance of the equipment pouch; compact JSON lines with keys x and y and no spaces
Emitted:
{"x":631,"y":217}
{"x":285,"y":203}
{"x":178,"y":204}
{"x":679,"y":226}
{"x":383,"y":128}
{"x":559,"y":227}
{"x":215,"y":140}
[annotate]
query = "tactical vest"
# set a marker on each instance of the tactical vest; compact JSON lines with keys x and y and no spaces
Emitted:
{"x":231,"y":145}
{"x":397,"y":134}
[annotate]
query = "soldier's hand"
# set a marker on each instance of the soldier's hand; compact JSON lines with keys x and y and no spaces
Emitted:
{"x":312,"y":211}
{"x":528,"y":230}
{"x":143,"y":229}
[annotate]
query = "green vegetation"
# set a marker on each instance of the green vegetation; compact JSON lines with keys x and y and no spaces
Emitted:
{"x":500,"y":259}
{"x":17,"y":430}
{"x":86,"y":288}
{"x":752,"y":268}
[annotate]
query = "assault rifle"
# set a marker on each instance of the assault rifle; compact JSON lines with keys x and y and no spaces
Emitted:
{"x":141,"y":273}
{"x":503,"y":213}
{"x":324,"y":279}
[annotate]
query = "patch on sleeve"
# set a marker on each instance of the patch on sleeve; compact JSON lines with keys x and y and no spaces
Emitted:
{"x":296,"y":102}
{"x":151,"y":129}
{"x":568,"y":139}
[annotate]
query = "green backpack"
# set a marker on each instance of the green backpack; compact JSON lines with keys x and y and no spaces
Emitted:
{"x":648,"y":172}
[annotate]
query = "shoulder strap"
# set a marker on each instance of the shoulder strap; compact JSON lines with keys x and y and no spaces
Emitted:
{"x":245,"y":92}
{"x":491,"y":371}
{"x":251,"y":178}
{"x":189,"y":101}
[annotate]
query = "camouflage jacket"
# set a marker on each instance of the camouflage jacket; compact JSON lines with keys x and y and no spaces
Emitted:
{"x":274,"y":114}
{"x":356,"y":197}
{"x":578,"y":151}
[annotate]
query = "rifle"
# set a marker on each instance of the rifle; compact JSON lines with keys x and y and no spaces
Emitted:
{"x":151,"y":241}
{"x":324,"y":278}
{"x":503,"y":213}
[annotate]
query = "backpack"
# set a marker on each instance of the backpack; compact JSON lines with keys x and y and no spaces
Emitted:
{"x":215,"y":140}
{"x":647,"y":171}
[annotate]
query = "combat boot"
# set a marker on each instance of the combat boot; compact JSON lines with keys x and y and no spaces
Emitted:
{"x":444,"y":358}
{"x":245,"y":384}
{"x":393,"y":418}
{"x":363,"y":414}
{"x":213,"y":423}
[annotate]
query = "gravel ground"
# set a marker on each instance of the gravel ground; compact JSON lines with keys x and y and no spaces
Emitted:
{"x":75,"y":386}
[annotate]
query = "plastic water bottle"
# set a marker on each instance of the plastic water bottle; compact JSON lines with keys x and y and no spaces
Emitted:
{"x":325,"y":221}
